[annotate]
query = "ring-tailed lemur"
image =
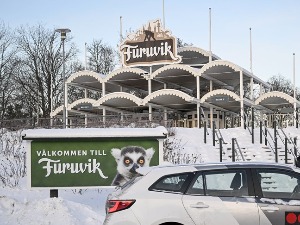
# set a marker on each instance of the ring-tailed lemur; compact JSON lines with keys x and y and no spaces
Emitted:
{"x":128,"y":159}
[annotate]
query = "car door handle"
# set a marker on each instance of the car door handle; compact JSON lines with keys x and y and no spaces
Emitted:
{"x":270,"y":208}
{"x":199,"y":205}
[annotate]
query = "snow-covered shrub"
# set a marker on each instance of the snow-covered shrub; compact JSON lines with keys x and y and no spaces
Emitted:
{"x":173,"y":148}
{"x":12,"y":158}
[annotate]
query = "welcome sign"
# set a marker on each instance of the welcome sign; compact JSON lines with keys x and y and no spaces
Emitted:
{"x":150,"y":45}
{"x":87,"y":162}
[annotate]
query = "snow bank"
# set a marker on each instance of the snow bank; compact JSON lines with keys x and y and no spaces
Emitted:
{"x":46,"y":211}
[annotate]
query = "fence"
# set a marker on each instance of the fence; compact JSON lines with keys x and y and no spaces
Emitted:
{"x":126,"y":120}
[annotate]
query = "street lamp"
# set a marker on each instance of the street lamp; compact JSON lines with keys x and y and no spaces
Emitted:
{"x":63,"y":34}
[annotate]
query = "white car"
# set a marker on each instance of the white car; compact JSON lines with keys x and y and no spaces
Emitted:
{"x":208,"y":194}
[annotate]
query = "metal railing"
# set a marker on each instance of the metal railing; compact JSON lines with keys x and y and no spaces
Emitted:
{"x":99,"y":121}
{"x":217,"y":132}
{"x":235,"y":152}
{"x":247,"y":122}
{"x":290,"y":141}
{"x":266,"y":133}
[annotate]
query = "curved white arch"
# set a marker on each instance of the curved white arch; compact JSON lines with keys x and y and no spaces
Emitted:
{"x":193,"y":49}
{"x":189,"y":69}
{"x":220,"y":92}
{"x":81,"y":101}
{"x":137,"y":71}
{"x":162,"y":92}
{"x":57,"y":111}
{"x":277,"y":94}
{"x":83,"y":73}
{"x":114,"y":95}
{"x":220,"y":63}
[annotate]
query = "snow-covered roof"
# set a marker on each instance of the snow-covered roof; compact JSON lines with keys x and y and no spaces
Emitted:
{"x":276,"y":100}
{"x":171,"y":70}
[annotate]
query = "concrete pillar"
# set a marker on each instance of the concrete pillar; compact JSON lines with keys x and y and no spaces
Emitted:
{"x":104,"y":116}
{"x":165,"y":117}
{"x":66,"y":103}
{"x":218,"y":120}
{"x":103,"y":89}
{"x":242,"y":98}
{"x":85,"y":119}
{"x":149,"y":92}
{"x":150,"y":112}
{"x":251,"y":86}
{"x":198,"y":104}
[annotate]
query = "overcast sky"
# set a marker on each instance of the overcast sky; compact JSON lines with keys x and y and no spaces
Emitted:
{"x":275,"y":26}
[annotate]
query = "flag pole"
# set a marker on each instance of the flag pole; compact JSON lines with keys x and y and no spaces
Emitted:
{"x":294,"y":86}
{"x":121,"y":39}
{"x":251,"y":51}
{"x":210,"y":53}
{"x":85,"y":66}
{"x":164,"y":22}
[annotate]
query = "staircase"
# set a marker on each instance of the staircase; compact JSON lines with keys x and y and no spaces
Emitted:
{"x":192,"y":140}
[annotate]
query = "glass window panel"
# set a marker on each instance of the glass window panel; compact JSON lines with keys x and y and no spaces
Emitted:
{"x":279,"y":184}
{"x":226,"y":183}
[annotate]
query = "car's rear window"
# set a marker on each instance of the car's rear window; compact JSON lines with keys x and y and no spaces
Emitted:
{"x":172,"y":183}
{"x":279,"y":184}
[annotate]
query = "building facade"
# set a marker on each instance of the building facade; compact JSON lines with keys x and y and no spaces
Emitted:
{"x":188,"y":87}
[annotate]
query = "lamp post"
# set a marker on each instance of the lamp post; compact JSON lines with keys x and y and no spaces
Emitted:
{"x":63,"y":34}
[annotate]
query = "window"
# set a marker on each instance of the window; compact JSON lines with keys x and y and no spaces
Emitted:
{"x":220,"y":183}
{"x":197,"y":186}
{"x":279,"y":184}
{"x":173,"y":183}
{"x":226,"y":183}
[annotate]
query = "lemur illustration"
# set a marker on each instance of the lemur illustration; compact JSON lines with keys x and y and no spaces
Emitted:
{"x":128,"y":159}
{"x":148,"y":35}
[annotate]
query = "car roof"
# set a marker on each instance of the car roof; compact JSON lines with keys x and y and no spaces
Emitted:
{"x":217,"y":165}
{"x":242,"y":164}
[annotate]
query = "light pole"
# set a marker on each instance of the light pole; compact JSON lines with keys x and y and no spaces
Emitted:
{"x":63,"y":34}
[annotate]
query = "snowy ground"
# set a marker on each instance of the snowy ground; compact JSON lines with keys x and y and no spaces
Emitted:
{"x":22,"y":206}
{"x":34,"y":207}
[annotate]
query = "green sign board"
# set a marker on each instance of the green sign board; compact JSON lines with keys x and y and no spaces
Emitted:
{"x":82,"y":162}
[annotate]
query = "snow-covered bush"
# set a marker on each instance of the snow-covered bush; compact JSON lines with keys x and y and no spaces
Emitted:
{"x":12,"y":158}
{"x":173,"y":150}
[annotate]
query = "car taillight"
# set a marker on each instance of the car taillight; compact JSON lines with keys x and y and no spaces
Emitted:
{"x":118,"y":205}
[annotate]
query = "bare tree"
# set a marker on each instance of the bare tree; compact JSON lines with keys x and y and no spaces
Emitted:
{"x":8,"y":62}
{"x":280,"y":83}
{"x":101,"y":58}
{"x":181,"y":43}
{"x":41,"y":66}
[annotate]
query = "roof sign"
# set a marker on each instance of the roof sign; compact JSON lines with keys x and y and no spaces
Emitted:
{"x":85,"y":106}
{"x":217,"y":99}
{"x":150,"y":45}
